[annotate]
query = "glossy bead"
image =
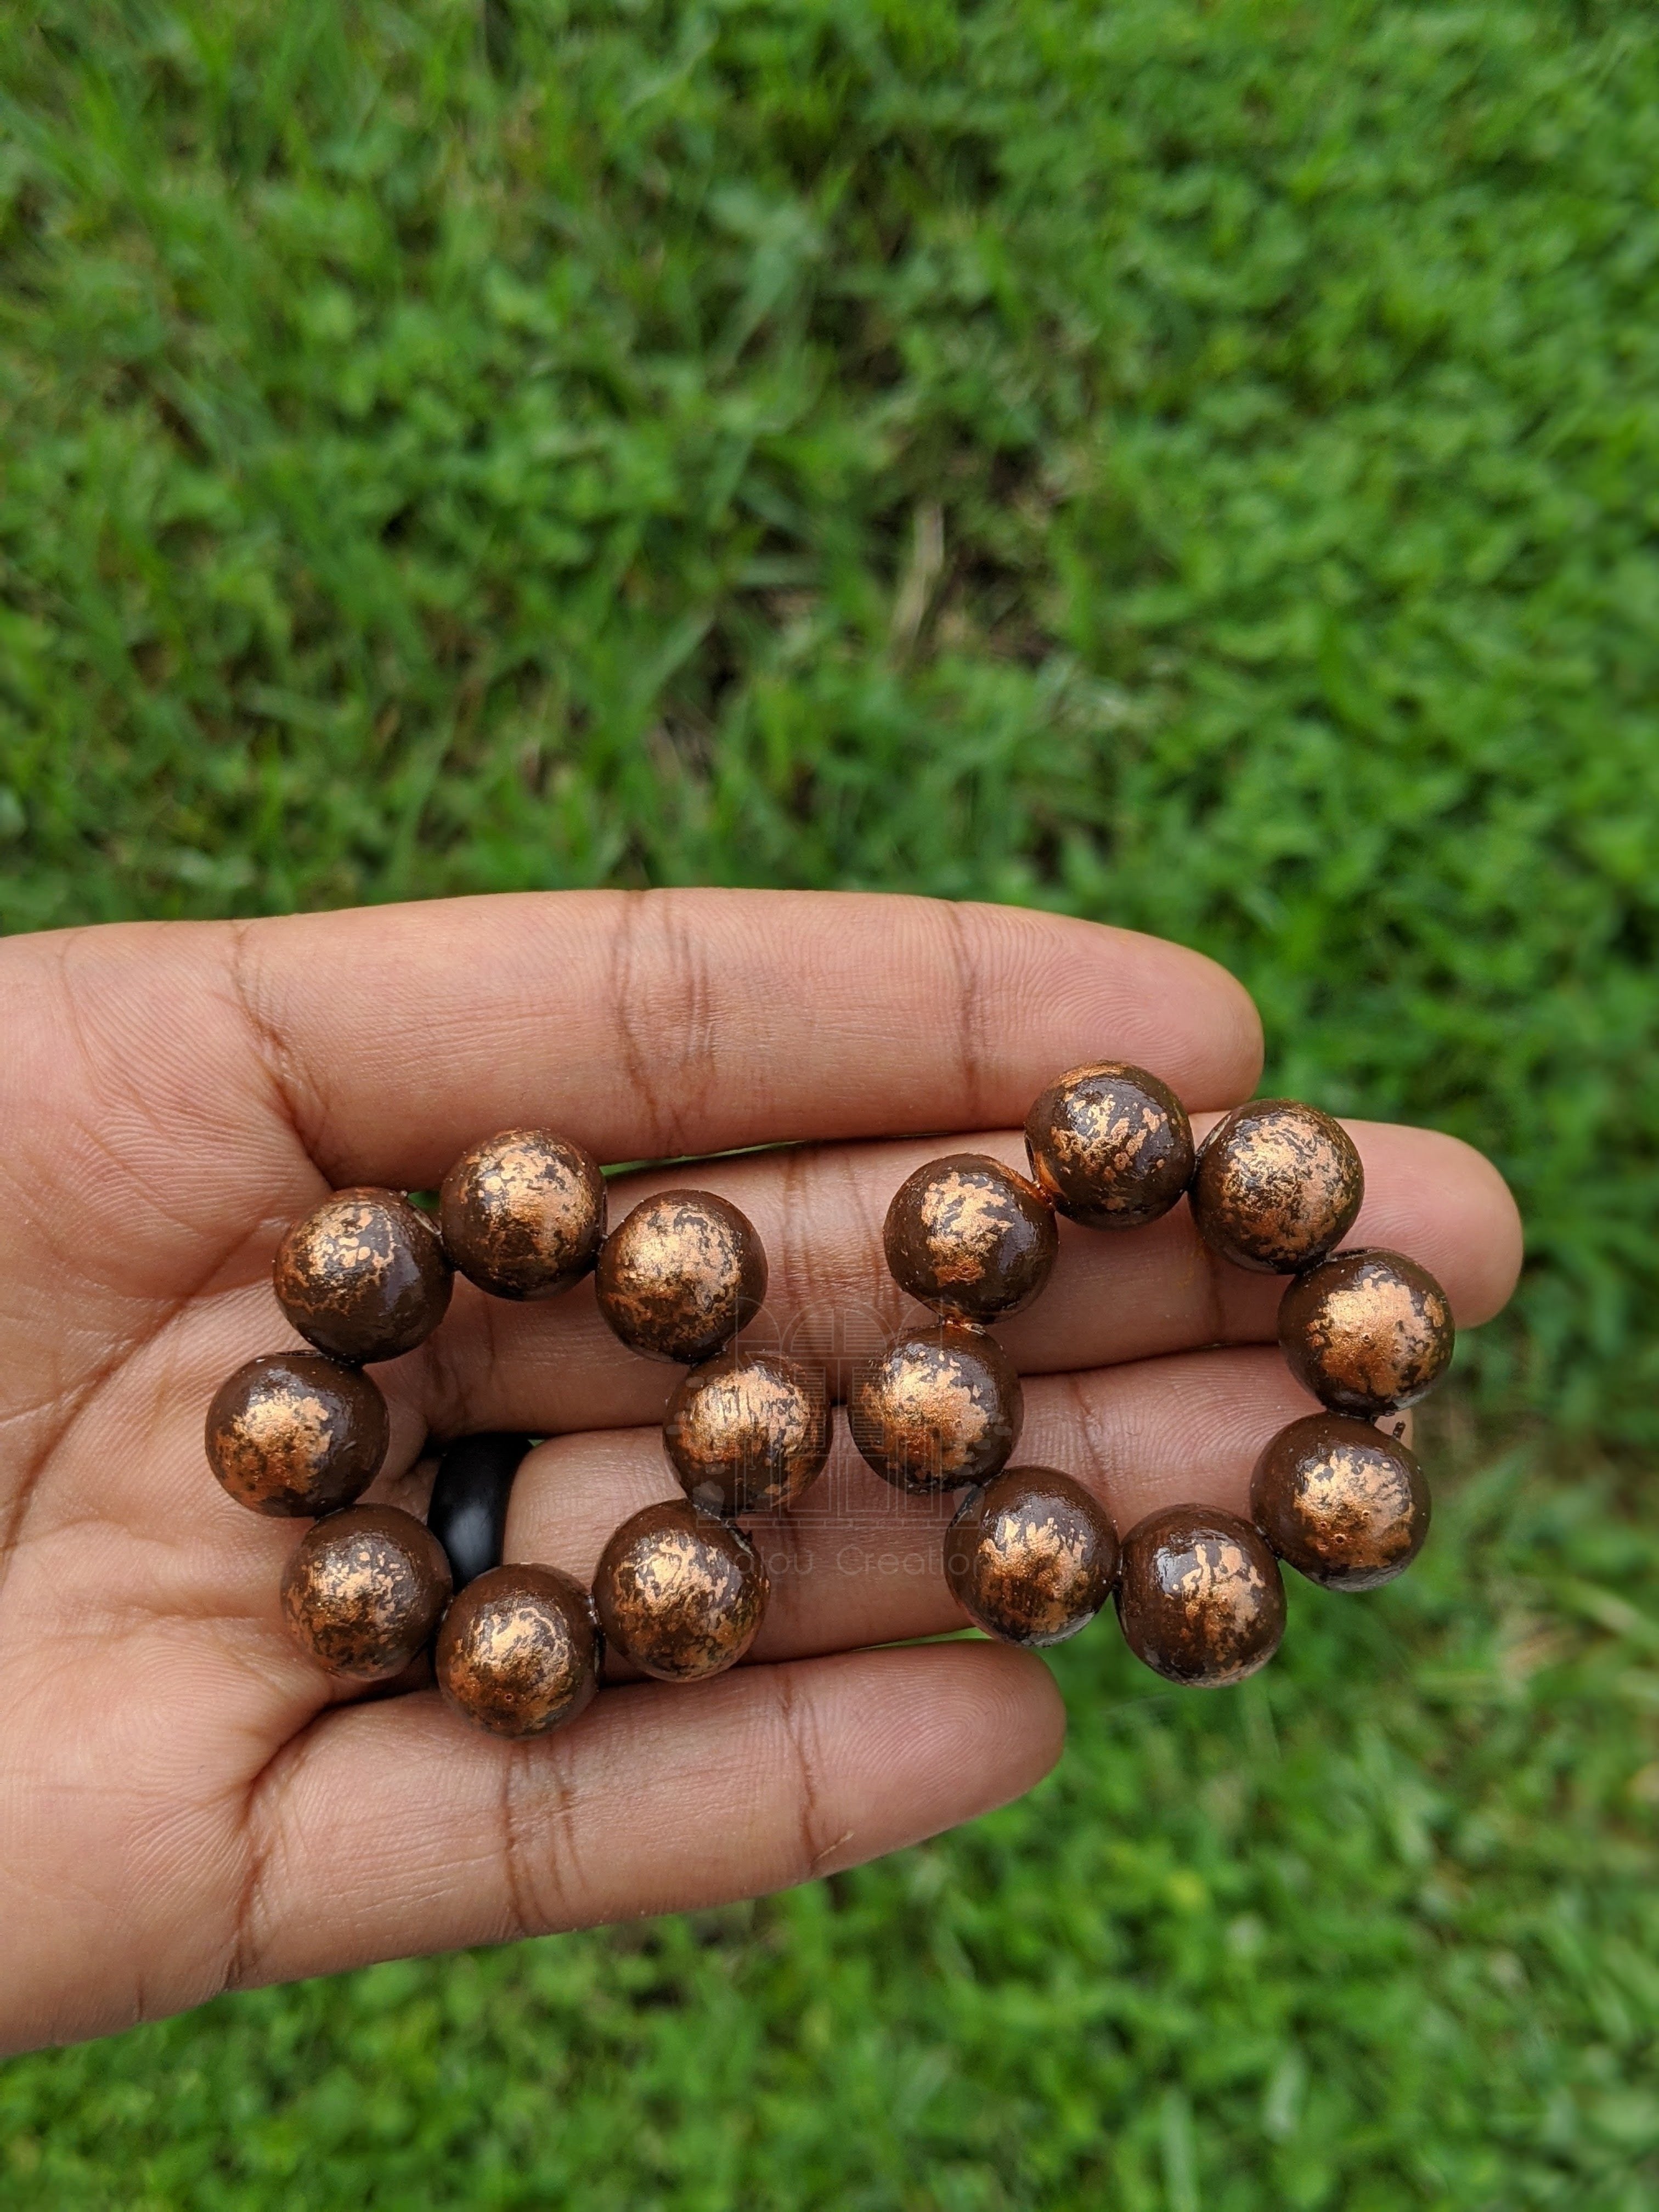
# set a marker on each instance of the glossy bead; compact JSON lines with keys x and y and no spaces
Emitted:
{"x":747,"y":1433}
{"x":364,"y":1276}
{"x":1031,"y":1558}
{"x":969,"y":1237}
{"x":520,"y":1653}
{"x":523,"y":1215}
{"x":681,"y":1593}
{"x":295,"y":1433}
{"x":1110,"y":1144}
{"x":937,"y":1408}
{"x":468,"y":1511}
{"x":1366,"y":1331}
{"x":1277,"y":1186}
{"x":1199,"y":1596}
{"x":681,"y":1275}
{"x":1344,"y":1503}
{"x":364,"y":1589}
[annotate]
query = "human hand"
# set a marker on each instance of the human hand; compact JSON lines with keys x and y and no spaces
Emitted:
{"x":188,"y":1803}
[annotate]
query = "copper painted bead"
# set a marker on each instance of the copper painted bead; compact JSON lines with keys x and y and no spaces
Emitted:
{"x":969,"y":1237}
{"x":1110,"y":1144}
{"x":1367,"y":1331}
{"x":1277,"y":1186}
{"x":747,"y":1433}
{"x":364,"y":1589}
{"x":1031,"y":1558}
{"x":681,"y":1275}
{"x":294,"y":1433}
{"x":364,"y":1276}
{"x":1345,"y":1504}
{"x":940,"y":1407}
{"x":520,"y":1652}
{"x":680,"y":1593}
{"x":1199,"y":1596}
{"x":523,"y":1215}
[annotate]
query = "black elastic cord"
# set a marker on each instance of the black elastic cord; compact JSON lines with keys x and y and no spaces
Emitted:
{"x":468,"y":1512}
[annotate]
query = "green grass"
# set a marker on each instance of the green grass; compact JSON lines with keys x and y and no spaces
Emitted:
{"x":1195,"y":465}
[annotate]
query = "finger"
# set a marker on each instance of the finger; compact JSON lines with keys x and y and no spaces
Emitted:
{"x":393,"y":1828}
{"x":857,"y":1562}
{"x":1113,"y":1296}
{"x":649,"y":1025}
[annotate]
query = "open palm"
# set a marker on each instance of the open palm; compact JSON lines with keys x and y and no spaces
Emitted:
{"x":186,"y":1802}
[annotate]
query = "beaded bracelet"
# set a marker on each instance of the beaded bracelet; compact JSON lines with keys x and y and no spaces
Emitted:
{"x":680,"y":1591}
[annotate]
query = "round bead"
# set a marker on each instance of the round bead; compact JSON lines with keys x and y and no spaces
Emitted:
{"x":468,"y":1510}
{"x":364,"y":1276}
{"x":364,"y":1589}
{"x":937,"y":1408}
{"x":1345,"y":1504}
{"x":520,"y":1653}
{"x":969,"y":1237}
{"x":748,"y":1431}
{"x":681,"y":1593}
{"x":294,"y":1433}
{"x":1031,"y":1558}
{"x":523,"y":1215}
{"x":1366,"y":1331}
{"x":681,"y":1275}
{"x":1199,"y":1596}
{"x":1277,"y":1186}
{"x":1110,"y":1144}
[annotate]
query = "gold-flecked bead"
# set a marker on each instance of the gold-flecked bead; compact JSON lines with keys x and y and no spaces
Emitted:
{"x":1278,"y":1184}
{"x":1199,"y":1596}
{"x":1341,"y":1501}
{"x":363,"y":1275}
{"x":295,"y":1433}
{"x":680,"y":1592}
{"x":1031,"y":1558}
{"x":363,"y":1591}
{"x":519,"y":1651}
{"x":523,"y":1214}
{"x":748,"y":1432}
{"x":681,"y":1274}
{"x":1366,"y":1331}
{"x":940,"y":1407}
{"x":1110,"y":1144}
{"x":971,"y":1238}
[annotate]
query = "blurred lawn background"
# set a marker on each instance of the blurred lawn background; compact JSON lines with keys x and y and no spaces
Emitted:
{"x":1189,"y":462}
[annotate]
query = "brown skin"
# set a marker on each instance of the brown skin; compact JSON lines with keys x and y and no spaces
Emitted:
{"x":680,"y":1593}
{"x":1367,"y":1332}
{"x":363,"y":1591}
{"x":1031,"y":1558}
{"x":519,"y":1651}
{"x":681,"y":1276}
{"x":362,"y":1276}
{"x":748,"y":1432}
{"x":1110,"y":1144}
{"x":971,"y":1238}
{"x":191,"y":1803}
{"x":523,"y":1214}
{"x":1278,"y":1185}
{"x":294,"y":1434}
{"x":1199,"y":1596}
{"x":1343,"y":1503}
{"x":940,"y":1407}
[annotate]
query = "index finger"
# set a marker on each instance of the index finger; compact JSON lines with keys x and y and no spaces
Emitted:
{"x":651,"y":1024}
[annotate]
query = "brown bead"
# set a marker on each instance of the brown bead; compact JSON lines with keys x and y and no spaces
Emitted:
{"x":969,"y":1237}
{"x":681,"y":1275}
{"x":747,"y":1433}
{"x":364,"y":1589}
{"x":364,"y":1276}
{"x":937,"y":1408}
{"x":1110,"y":1144}
{"x":295,"y":1433}
{"x":680,"y":1593}
{"x":1347,"y":1505}
{"x":1277,"y":1186}
{"x":519,"y":1651}
{"x":1031,"y":1558}
{"x":1366,"y":1331}
{"x":1199,"y":1596}
{"x":523,"y":1215}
